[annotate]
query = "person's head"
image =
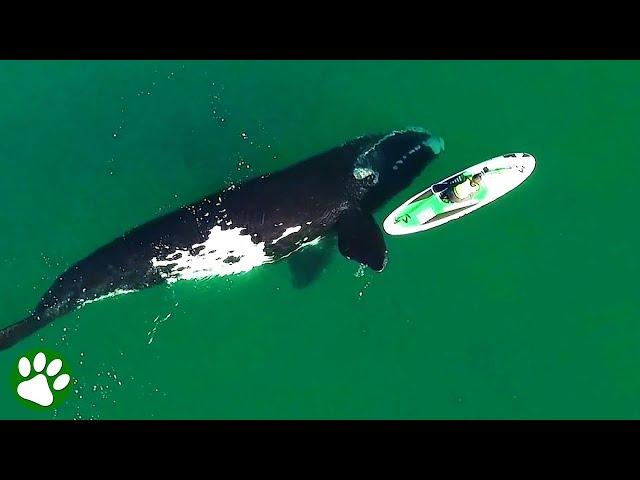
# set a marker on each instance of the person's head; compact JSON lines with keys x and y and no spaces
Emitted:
{"x":476,"y":179}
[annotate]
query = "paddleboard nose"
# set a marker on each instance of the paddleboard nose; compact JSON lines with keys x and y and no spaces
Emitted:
{"x":527,"y":163}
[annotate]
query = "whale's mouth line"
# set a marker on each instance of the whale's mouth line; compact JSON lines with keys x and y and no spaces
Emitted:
{"x":371,"y":162}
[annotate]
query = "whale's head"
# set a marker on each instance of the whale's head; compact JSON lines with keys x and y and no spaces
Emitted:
{"x":387,"y":166}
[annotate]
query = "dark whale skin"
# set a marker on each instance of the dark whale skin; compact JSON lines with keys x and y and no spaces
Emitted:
{"x":320,"y":195}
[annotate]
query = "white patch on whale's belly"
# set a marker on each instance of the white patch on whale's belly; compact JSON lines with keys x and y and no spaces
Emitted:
{"x":288,"y":232}
{"x":240,"y":252}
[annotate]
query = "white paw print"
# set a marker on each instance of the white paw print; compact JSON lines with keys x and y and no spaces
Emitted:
{"x":37,"y":389}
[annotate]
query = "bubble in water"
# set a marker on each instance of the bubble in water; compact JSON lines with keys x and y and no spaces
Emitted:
{"x":361,"y":292}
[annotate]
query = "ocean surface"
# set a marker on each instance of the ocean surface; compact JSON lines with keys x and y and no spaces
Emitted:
{"x":526,"y":309}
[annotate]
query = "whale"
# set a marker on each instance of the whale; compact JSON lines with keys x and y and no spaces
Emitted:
{"x":260,"y":221}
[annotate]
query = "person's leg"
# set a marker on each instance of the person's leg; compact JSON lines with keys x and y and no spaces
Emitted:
{"x":451,"y":196}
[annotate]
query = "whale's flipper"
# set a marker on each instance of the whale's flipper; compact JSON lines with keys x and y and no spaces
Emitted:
{"x":360,"y":239}
{"x":307,"y":265}
{"x":16,"y":332}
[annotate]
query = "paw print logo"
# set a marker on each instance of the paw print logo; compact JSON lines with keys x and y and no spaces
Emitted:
{"x":38,"y":384}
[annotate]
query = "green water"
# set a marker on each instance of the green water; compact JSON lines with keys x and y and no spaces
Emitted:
{"x":542,"y":323}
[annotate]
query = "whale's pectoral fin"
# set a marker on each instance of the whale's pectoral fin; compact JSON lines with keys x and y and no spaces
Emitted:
{"x":360,"y":239}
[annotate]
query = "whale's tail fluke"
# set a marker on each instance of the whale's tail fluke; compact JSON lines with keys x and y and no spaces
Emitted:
{"x":12,"y":334}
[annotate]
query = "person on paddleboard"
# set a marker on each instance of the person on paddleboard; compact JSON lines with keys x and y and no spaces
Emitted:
{"x":462,"y":187}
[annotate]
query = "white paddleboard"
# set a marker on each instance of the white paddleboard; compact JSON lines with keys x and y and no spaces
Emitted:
{"x":427,"y":210}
